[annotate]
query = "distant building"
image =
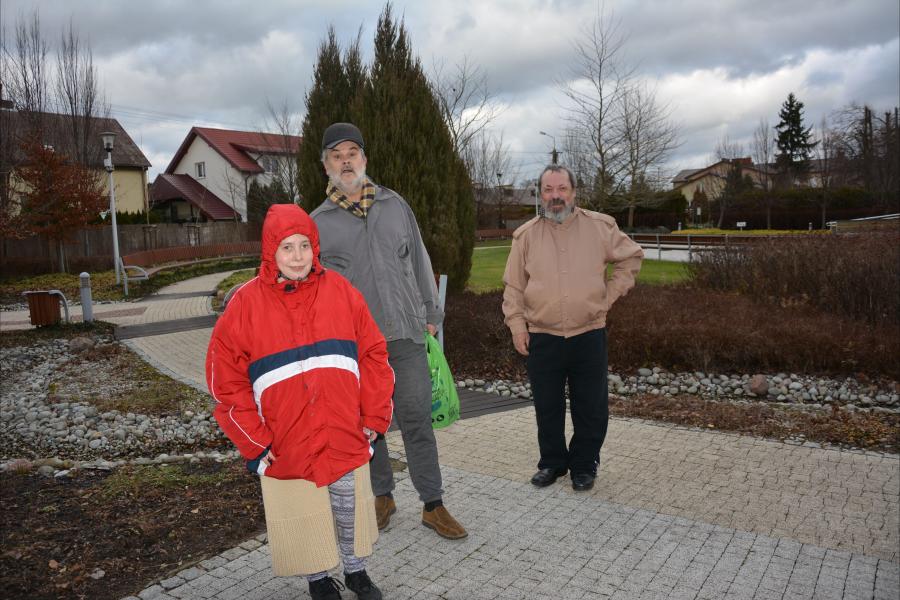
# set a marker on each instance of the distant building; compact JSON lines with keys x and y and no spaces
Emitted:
{"x":711,"y":180}
{"x":56,"y":131}
{"x":210,"y":174}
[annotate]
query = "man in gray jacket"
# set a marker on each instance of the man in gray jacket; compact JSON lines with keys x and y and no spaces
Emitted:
{"x":369,"y":234}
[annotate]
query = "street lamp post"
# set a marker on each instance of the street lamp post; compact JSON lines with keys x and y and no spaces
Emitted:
{"x":108,"y":141}
{"x":555,"y":155}
{"x":500,"y":223}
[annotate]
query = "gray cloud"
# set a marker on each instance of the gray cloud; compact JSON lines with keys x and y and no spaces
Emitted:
{"x":167,"y":64}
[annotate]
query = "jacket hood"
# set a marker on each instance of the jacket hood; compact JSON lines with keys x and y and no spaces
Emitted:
{"x":284,"y":220}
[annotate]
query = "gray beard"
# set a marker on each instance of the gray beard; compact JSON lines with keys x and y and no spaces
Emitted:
{"x":559,"y":216}
{"x":354,"y":187}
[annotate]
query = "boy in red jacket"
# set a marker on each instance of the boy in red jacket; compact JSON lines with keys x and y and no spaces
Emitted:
{"x":302,"y":385}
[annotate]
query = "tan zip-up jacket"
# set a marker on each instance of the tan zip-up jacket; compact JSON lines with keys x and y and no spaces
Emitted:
{"x":555,"y":276}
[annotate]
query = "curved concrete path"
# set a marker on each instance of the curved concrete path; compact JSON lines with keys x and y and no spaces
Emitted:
{"x":676,"y":513}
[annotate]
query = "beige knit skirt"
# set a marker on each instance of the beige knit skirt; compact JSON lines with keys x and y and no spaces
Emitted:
{"x":300,"y":525}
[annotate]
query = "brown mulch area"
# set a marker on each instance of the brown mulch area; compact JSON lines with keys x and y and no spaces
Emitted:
{"x":690,"y":329}
{"x":859,"y":430}
{"x":97,"y":535}
{"x":143,"y":524}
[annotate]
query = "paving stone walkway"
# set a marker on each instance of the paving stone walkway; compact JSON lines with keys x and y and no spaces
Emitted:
{"x":676,"y":513}
{"x":556,"y":544}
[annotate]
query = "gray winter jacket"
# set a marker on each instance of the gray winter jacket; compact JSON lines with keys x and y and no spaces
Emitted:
{"x":384,"y":257}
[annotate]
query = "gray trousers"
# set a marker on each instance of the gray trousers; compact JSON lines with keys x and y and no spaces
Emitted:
{"x":412,"y":413}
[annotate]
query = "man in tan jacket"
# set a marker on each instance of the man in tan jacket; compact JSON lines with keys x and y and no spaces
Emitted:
{"x":555,"y":303}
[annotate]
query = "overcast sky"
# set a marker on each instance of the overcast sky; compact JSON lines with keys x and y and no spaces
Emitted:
{"x":166,"y":65}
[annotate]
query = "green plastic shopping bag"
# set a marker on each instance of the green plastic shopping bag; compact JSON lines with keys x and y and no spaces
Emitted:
{"x":444,"y":399}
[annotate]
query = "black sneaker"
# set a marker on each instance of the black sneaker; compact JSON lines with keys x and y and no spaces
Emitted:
{"x":360,"y":584}
{"x":326,"y":588}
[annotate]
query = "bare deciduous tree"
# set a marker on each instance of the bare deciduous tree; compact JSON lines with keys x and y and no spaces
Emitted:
{"x":466,"y":101}
{"x":486,"y":155}
{"x":287,"y":126}
{"x":763,"y":153}
{"x":649,"y":137}
{"x":727,"y":180}
{"x":27,"y":70}
{"x":825,"y":152}
{"x":78,"y":97}
{"x":618,"y":129}
{"x":600,"y":79}
{"x":71,"y":89}
{"x":726,"y":148}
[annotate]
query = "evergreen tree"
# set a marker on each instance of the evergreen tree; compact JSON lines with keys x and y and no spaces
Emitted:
{"x":408,"y":146}
{"x":793,"y":142}
{"x":410,"y":150}
{"x":329,"y":101}
{"x":261,"y":197}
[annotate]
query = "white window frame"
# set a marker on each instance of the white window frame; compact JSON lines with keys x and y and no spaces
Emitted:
{"x":200,"y":170}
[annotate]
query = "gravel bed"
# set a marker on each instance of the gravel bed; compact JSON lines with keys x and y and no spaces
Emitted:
{"x":34,"y":423}
{"x":782,"y":389}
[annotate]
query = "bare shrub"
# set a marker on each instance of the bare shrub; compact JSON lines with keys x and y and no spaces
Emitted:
{"x":688,"y":328}
{"x":855,"y":276}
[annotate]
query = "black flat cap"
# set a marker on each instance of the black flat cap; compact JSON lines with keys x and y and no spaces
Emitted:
{"x":341,"y":132}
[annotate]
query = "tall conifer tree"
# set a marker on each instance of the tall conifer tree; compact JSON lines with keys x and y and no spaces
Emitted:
{"x":792,"y":141}
{"x":328,"y":101}
{"x":408,"y":146}
{"x":411,"y":151}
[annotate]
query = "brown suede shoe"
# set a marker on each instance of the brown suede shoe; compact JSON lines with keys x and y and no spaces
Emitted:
{"x":443,"y":524}
{"x":384,"y":508}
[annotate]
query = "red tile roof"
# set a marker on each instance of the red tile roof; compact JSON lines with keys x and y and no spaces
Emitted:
{"x":234,"y":145}
{"x":168,"y":186}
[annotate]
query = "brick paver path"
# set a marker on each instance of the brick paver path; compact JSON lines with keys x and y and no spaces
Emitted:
{"x":676,"y":513}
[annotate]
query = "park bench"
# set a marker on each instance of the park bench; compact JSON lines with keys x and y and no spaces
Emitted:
{"x":140,"y":266}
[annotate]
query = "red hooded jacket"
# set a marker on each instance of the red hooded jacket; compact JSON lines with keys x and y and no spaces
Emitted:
{"x":299,"y":367}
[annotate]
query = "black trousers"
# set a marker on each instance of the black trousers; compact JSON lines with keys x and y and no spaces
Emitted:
{"x":581,"y":361}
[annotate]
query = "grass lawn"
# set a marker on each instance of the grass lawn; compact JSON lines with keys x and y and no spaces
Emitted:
{"x":489,"y":261}
{"x":714,"y":231}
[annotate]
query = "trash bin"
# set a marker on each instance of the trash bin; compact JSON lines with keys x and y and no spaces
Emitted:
{"x":43,"y":308}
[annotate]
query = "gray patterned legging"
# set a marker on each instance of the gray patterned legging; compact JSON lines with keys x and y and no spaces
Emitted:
{"x":341,"y":493}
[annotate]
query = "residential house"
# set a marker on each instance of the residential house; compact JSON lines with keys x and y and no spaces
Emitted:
{"x":210,"y":174}
{"x":504,"y":206}
{"x":56,"y":131}
{"x":711,"y":180}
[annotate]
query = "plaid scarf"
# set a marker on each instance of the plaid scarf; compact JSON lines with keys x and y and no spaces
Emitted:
{"x":357,"y":208}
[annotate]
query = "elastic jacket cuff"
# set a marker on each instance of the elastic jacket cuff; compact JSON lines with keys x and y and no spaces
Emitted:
{"x":257,"y":466}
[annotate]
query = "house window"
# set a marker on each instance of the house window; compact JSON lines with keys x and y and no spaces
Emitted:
{"x":200,"y":168}
{"x":269,"y":164}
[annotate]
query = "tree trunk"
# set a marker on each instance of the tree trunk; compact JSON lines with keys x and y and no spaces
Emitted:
{"x":63,"y":268}
{"x":721,"y":214}
{"x":630,"y":216}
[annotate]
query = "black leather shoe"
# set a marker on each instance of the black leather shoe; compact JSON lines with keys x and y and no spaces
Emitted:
{"x":545,"y":477}
{"x":582,"y":482}
{"x":360,"y":584}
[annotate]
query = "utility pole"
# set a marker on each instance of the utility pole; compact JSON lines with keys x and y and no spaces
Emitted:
{"x":554,"y":155}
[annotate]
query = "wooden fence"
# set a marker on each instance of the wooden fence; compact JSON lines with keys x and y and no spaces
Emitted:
{"x":90,"y":249}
